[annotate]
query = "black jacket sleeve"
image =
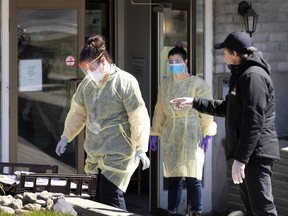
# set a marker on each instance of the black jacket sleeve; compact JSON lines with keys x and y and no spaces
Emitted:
{"x":211,"y":107}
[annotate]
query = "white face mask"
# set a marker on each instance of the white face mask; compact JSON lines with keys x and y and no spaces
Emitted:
{"x":96,"y":75}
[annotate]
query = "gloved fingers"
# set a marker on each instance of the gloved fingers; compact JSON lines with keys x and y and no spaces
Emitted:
{"x":238,"y":173}
{"x":179,"y":106}
{"x":145,"y":160}
{"x":179,"y":103}
{"x":237,"y":177}
{"x":61,"y":146}
{"x":242,"y":174}
{"x":57,"y":150}
{"x":154,"y":143}
{"x":60,"y":150}
{"x":205,"y":147}
{"x":153,"y":146}
{"x":205,"y":144}
{"x":145,"y":163}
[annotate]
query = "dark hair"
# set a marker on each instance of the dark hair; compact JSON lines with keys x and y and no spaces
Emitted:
{"x":244,"y":55}
{"x":179,"y":51}
{"x":93,"y":48}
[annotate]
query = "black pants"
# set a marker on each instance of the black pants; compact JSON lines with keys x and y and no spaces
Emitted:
{"x":109,"y":194}
{"x":256,"y":189}
{"x":194,"y":192}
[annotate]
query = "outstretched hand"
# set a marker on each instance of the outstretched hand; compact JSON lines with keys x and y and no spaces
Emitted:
{"x":179,"y":103}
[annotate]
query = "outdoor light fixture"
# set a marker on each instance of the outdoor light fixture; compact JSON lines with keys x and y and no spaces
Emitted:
{"x":249,"y":15}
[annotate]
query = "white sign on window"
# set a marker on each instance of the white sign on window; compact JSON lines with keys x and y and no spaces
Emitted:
{"x":30,"y":75}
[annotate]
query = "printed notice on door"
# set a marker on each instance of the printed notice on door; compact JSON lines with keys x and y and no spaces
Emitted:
{"x":30,"y":75}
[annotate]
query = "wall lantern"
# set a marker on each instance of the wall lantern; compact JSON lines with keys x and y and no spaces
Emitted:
{"x":249,"y":15}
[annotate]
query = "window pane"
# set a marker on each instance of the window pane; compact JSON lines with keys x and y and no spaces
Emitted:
{"x":200,"y":38}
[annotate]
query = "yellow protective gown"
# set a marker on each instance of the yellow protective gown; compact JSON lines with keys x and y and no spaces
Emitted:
{"x":117,"y":124}
{"x":181,"y":131}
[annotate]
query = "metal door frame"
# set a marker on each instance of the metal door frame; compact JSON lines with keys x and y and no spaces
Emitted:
{"x":4,"y":80}
{"x":14,"y":6}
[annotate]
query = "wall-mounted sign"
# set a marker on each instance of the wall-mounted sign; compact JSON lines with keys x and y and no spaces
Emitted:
{"x":70,"y":61}
{"x":30,"y":75}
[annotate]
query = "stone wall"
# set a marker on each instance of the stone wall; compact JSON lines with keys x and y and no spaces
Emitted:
{"x":280,"y":183}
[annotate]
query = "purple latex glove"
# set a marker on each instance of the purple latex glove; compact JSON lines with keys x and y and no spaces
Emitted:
{"x":154,"y":143}
{"x":206,"y":142}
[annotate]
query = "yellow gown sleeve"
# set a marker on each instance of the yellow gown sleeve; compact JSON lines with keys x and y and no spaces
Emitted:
{"x":75,"y":121}
{"x":209,"y":127}
{"x":158,"y":116}
{"x":140,"y":128}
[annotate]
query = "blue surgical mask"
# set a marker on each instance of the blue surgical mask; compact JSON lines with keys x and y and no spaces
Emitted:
{"x":176,"y":68}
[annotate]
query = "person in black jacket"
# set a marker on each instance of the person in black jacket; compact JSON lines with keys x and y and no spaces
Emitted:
{"x":249,"y":111}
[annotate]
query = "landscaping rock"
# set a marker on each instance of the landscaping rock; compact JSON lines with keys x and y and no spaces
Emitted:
{"x":21,"y":203}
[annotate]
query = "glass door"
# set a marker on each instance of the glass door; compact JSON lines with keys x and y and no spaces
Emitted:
{"x":173,"y":31}
{"x":180,"y":23}
{"x":44,"y":47}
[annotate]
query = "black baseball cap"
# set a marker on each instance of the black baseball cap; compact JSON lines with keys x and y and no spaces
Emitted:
{"x":236,"y":41}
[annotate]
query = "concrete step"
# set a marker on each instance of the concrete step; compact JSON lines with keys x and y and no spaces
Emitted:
{"x":91,"y":208}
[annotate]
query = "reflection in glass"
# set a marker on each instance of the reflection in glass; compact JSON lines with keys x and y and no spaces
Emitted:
{"x":96,"y":19}
{"x":47,"y":69}
{"x":174,"y":30}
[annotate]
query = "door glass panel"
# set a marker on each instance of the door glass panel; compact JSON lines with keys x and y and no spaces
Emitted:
{"x":173,"y":29}
{"x":47,"y":72}
{"x":96,"y":19}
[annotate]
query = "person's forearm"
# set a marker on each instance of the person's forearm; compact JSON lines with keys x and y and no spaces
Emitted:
{"x":211,"y":107}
